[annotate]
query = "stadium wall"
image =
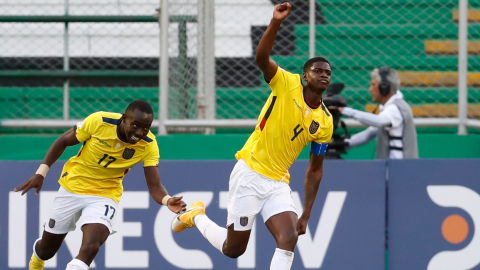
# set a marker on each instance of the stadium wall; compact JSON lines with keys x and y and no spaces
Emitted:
{"x":432,"y":214}
{"x":144,"y":239}
{"x":224,"y":146}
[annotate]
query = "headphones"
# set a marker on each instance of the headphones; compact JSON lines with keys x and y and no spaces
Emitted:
{"x":384,"y":85}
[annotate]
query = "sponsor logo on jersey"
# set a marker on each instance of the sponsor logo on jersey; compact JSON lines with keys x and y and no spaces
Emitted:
{"x":104,"y":143}
{"x":118,"y":145}
{"x":80,"y":124}
{"x":296,"y":104}
{"x":306,"y":113}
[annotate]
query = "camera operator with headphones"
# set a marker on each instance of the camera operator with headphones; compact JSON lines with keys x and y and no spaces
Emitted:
{"x":393,"y":126}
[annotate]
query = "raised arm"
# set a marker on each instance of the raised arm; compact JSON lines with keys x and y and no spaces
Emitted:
{"x":159,"y":192}
{"x":56,"y":150}
{"x":262,"y":56}
{"x":312,"y":182}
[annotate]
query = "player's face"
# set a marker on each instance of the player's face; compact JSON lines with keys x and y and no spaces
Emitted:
{"x":318,"y":76}
{"x":374,"y":91}
{"x":137,"y":125}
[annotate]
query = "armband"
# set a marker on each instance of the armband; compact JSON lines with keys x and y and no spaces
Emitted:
{"x":318,"y":149}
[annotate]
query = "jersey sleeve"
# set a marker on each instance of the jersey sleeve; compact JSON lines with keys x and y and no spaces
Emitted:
{"x":283,"y":81}
{"x":326,"y":135}
{"x":85,"y":129}
{"x":152,"y":155}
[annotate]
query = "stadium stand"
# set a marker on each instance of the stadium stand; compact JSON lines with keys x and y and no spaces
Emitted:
{"x":419,"y":45}
{"x":353,"y":41}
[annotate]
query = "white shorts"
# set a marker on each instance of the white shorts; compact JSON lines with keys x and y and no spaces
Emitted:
{"x":68,"y":207}
{"x":250,"y":193}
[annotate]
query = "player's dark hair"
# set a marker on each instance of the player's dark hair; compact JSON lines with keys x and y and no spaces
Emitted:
{"x":311,"y":61}
{"x":140,"y":105}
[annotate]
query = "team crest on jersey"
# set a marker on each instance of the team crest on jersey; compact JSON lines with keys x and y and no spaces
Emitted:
{"x":128,"y":153}
{"x":51,"y":223}
{"x":243,"y":221}
{"x":314,"y":127}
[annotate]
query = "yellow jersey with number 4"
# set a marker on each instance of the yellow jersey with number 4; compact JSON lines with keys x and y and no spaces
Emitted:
{"x":287,"y":123}
{"x":102,"y":162}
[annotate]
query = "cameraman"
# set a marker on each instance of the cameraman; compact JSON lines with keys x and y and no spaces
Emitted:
{"x":393,"y":126}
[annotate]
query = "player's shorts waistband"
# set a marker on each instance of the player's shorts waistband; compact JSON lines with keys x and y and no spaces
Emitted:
{"x":243,"y":163}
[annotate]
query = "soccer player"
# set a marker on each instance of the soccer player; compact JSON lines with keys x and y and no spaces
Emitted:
{"x":293,"y":116}
{"x":91,"y":181}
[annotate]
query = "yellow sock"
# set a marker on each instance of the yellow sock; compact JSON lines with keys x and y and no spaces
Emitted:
{"x":35,"y":263}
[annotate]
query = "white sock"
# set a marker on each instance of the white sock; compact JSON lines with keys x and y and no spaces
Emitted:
{"x":215,"y":234}
{"x":282,"y":260}
{"x":34,"y":251}
{"x":76,"y":264}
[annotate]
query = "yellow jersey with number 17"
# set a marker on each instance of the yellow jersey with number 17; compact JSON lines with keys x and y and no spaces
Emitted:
{"x":102,"y":162}
{"x":287,"y":123}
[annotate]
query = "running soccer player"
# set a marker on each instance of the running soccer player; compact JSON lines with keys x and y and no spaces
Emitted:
{"x":293,"y":116}
{"x":91,"y":181}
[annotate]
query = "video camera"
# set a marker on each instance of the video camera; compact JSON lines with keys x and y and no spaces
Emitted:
{"x":337,"y":144}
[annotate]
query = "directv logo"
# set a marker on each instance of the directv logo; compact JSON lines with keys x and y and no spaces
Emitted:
{"x":455,"y":227}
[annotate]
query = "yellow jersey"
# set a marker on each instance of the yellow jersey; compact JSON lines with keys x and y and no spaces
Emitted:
{"x":103,"y":160}
{"x":287,"y":123}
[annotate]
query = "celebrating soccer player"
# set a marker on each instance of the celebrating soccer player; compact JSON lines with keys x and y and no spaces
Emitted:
{"x":293,"y":116}
{"x":91,"y":181}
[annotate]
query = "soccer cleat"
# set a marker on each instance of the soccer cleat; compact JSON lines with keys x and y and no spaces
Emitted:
{"x":184,"y":220}
{"x":35,"y":263}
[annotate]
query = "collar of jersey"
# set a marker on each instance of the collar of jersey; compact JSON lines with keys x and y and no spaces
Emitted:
{"x":310,"y":105}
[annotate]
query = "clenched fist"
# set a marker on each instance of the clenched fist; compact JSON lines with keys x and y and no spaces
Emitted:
{"x":281,"y":11}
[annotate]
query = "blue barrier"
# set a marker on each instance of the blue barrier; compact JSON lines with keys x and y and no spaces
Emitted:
{"x":346,"y":229}
{"x":433,"y":214}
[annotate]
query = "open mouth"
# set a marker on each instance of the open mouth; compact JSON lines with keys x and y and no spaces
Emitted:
{"x":134,"y":138}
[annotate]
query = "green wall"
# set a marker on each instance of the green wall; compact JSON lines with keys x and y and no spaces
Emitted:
{"x":224,"y":146}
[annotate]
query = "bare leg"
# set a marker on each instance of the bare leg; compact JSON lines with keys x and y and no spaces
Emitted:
{"x":94,"y":235}
{"x":48,"y":246}
{"x":283,"y":227}
{"x":236,"y":242}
